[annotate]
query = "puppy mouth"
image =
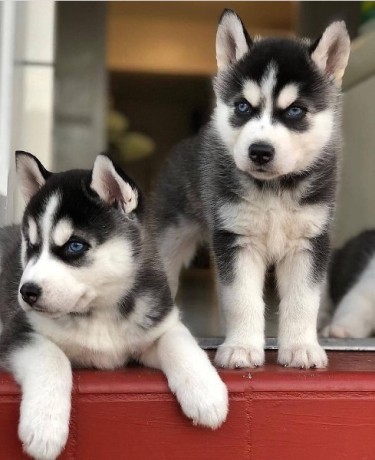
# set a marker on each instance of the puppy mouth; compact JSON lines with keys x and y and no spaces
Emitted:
{"x":264,"y":173}
{"x":46,"y":312}
{"x":82,"y":306}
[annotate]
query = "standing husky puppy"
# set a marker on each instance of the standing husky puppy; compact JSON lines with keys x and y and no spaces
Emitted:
{"x":82,"y":284}
{"x":259,"y":182}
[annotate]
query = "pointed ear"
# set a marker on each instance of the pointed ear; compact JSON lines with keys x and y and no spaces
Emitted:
{"x":113,"y":186}
{"x":331,"y":52}
{"x":32,"y":174}
{"x":232,"y":40}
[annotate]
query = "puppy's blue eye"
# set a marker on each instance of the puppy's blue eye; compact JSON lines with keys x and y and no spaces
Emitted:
{"x":243,"y":107}
{"x":75,"y":247}
{"x":295,"y":113}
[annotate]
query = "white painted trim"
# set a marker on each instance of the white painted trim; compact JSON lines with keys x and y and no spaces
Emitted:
{"x":7,"y":40}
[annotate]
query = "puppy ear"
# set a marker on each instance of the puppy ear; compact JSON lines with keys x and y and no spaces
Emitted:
{"x":232,"y":40}
{"x":113,"y":186}
{"x":32,"y":174}
{"x":331,"y":52}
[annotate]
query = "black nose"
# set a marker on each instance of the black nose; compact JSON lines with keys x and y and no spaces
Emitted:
{"x":30,"y":293}
{"x":260,"y":154}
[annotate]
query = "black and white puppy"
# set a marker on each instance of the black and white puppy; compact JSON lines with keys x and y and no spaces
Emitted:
{"x":259,"y":183}
{"x":81,"y":284}
{"x":351,"y":289}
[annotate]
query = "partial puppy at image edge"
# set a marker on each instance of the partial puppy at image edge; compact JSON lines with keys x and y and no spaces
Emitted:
{"x":349,"y":304}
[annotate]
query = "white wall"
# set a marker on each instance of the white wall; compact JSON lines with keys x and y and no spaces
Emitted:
{"x":29,"y":87}
{"x":356,"y":209}
{"x":7,"y":19}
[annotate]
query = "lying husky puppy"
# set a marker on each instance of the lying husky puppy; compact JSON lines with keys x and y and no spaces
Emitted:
{"x":259,"y":183}
{"x":351,"y":288}
{"x":81,"y":284}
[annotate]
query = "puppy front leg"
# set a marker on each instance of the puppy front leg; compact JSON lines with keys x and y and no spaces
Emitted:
{"x":299,"y":305}
{"x":191,"y":377}
{"x":241,"y":274}
{"x":45,"y":376}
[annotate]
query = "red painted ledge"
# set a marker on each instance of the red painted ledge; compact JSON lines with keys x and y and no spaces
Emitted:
{"x":275,"y":413}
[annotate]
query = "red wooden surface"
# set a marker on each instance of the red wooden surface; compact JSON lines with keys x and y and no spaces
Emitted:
{"x":275,"y":413}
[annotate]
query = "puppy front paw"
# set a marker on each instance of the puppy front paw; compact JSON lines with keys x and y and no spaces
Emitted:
{"x":231,"y":357}
{"x":205,"y":401}
{"x":303,"y":356}
{"x":43,"y":430}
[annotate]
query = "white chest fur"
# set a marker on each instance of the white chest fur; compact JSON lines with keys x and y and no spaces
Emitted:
{"x":99,"y":340}
{"x":103,"y":340}
{"x":274,"y":225}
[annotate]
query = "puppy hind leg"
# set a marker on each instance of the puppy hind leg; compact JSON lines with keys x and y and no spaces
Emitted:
{"x":177,"y":246}
{"x":326,"y":308}
{"x":191,"y":377}
{"x":354,"y":316}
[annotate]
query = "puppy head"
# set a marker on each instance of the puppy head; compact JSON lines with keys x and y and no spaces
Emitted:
{"x":81,"y":234}
{"x":277,"y":98}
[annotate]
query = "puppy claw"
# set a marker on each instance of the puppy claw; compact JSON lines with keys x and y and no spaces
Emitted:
{"x":303,"y":356}
{"x":205,"y":402}
{"x":236,"y":357}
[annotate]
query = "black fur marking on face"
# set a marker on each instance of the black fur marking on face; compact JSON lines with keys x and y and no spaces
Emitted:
{"x":237,"y":120}
{"x":32,"y":250}
{"x":298,"y":126}
{"x":225,"y":250}
{"x":293,"y":64}
{"x":76,"y":260}
{"x":81,"y":205}
{"x":349,"y":262}
{"x":320,"y":253}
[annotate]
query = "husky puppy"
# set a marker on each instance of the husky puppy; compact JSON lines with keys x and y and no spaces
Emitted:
{"x":351,"y":288}
{"x":259,"y":182}
{"x":82,"y":285}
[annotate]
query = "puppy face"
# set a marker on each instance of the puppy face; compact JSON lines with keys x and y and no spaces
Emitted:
{"x":79,"y":251}
{"x":276,"y":98}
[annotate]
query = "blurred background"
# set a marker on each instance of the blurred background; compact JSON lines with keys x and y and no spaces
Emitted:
{"x":134,"y":78}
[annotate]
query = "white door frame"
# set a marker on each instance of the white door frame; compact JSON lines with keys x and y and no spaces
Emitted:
{"x":7,"y":49}
{"x":27,"y":34}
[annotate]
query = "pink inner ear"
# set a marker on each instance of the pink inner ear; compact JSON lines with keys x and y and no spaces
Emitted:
{"x":112,"y":188}
{"x":31,"y":179}
{"x":333,"y":58}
